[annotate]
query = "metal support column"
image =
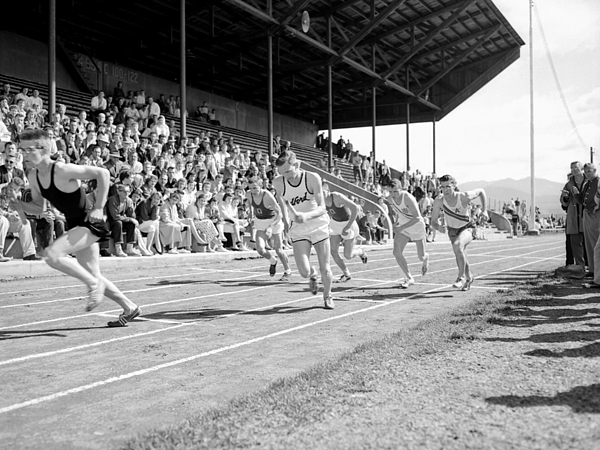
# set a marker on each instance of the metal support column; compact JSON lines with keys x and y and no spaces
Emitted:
{"x":407,"y":125}
{"x":434,"y":142}
{"x":270,"y":93}
{"x":182,"y":81}
{"x":531,"y":129}
{"x":374,"y":105}
{"x":52,"y":59}
{"x":329,"y":101}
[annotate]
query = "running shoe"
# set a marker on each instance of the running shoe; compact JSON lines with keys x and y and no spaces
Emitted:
{"x":286,"y":276}
{"x":467,"y":285}
{"x":329,"y":302}
{"x":313,"y":285}
{"x":363,"y":257}
{"x":459,"y":283}
{"x":95,"y":295}
{"x":124,"y":319}
{"x":425,"y":266}
{"x":406,"y":283}
{"x":344,"y":278}
{"x":273,"y":269}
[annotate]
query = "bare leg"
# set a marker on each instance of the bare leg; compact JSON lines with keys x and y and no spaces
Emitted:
{"x":349,"y":250}
{"x":323,"y":249}
{"x":460,"y":246}
{"x":278,"y":246}
{"x":261,"y":237}
{"x":400,"y":242}
{"x":335,"y":254}
{"x":302,"y":257}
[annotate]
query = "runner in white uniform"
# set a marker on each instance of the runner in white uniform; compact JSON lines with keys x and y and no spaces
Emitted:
{"x":268,"y":225}
{"x":457,"y":215}
{"x":301,"y":199}
{"x":409,"y":226}
{"x":342,"y":228}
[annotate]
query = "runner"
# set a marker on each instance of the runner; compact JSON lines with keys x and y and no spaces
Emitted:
{"x":457,"y":217}
{"x":60,"y":184}
{"x":342,"y":228}
{"x":268,"y":225}
{"x":301,"y":199}
{"x":409,"y":226}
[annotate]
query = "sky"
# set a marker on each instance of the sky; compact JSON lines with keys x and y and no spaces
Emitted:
{"x":487,"y":136}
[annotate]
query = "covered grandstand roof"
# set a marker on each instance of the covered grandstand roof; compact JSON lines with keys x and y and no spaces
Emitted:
{"x":433,"y":54}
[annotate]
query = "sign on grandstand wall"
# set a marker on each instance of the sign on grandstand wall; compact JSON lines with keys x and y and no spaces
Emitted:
{"x":110,"y":74}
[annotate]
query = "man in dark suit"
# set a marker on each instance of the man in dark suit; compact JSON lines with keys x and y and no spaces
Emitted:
{"x":8,"y":171}
{"x":114,"y":165}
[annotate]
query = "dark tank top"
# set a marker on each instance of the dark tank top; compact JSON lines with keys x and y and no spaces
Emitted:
{"x":71,"y":204}
{"x":337,"y":213}
{"x":260,"y":211}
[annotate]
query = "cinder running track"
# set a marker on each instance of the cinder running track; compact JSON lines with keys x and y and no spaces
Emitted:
{"x":211,"y":330}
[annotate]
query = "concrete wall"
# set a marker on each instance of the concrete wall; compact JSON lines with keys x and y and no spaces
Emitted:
{"x":26,"y":58}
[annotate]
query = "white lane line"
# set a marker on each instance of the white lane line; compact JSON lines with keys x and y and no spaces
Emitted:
{"x":131,"y":291}
{"x":114,"y":281}
{"x":219,"y":350}
{"x":233,"y":293}
{"x":177,"y":362}
{"x":192,"y":322}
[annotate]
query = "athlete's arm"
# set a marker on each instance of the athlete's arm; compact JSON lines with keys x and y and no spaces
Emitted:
{"x":482,"y":195}
{"x":435,"y":215}
{"x":411,"y":203}
{"x":278,"y":186}
{"x":349,"y":206}
{"x":314,"y":185}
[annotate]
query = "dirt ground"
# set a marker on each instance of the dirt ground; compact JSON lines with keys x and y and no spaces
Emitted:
{"x":209,"y":332}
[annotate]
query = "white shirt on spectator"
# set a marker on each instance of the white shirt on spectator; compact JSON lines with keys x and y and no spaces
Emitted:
{"x":162,"y":129}
{"x":35,"y":101}
{"x":98,"y":104}
{"x":154,"y":110}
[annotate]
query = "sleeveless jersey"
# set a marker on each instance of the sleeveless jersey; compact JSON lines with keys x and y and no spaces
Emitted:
{"x":299,"y":196}
{"x":401,"y":212}
{"x":337,"y":213}
{"x":260,"y":211}
{"x":71,"y":204}
{"x":456,"y":216}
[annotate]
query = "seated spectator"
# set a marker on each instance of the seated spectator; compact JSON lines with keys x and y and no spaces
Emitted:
{"x":9,"y":170}
{"x":175,"y":231}
{"x":147,"y":212}
{"x":98,"y":104}
{"x":212,"y":118}
{"x":121,"y":217}
{"x":12,"y":222}
{"x":229,"y":214}
{"x":7,"y":94}
{"x":203,"y":116}
{"x":153,"y":112}
{"x":161,"y":128}
{"x":204,"y":225}
{"x":322,"y":163}
{"x":118,"y":91}
{"x":114,"y":165}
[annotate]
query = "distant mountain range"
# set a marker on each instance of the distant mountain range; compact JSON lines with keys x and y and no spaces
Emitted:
{"x":501,"y":191}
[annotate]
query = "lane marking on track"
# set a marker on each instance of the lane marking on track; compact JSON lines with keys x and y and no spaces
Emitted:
{"x":141,"y":372}
{"x":114,"y":281}
{"x":131,"y":291}
{"x":216,"y":351}
{"x":192,"y":322}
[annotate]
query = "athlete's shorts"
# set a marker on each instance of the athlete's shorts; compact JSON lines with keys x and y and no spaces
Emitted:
{"x":453,"y":233}
{"x":416,"y":232}
{"x":98,"y":229}
{"x":335,"y":229}
{"x":314,"y":230}
{"x":263,"y":224}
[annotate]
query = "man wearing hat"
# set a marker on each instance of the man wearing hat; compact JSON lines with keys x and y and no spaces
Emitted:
{"x":114,"y":164}
{"x":8,"y":170}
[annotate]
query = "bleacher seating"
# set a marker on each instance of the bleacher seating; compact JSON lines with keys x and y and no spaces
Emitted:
{"x":77,"y":101}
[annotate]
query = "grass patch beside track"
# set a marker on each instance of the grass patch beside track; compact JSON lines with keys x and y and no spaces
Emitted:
{"x":506,"y":371}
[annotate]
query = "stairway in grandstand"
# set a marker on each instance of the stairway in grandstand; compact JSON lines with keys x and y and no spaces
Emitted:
{"x":77,"y":101}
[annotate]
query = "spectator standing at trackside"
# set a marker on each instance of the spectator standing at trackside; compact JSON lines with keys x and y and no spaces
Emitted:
{"x":348,"y":149}
{"x":574,"y":226}
{"x":591,"y":216}
{"x":356,"y":166}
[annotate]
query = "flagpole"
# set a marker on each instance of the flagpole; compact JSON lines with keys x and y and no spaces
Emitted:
{"x":531,"y":128}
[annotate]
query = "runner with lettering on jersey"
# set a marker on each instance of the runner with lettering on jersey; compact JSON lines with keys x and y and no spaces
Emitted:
{"x":456,"y":207}
{"x":409,"y":226}
{"x":342,"y":228}
{"x":300,"y":196}
{"x":268,"y":225}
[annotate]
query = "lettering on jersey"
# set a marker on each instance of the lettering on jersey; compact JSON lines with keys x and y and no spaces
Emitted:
{"x":297,"y":200}
{"x":259,"y":212}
